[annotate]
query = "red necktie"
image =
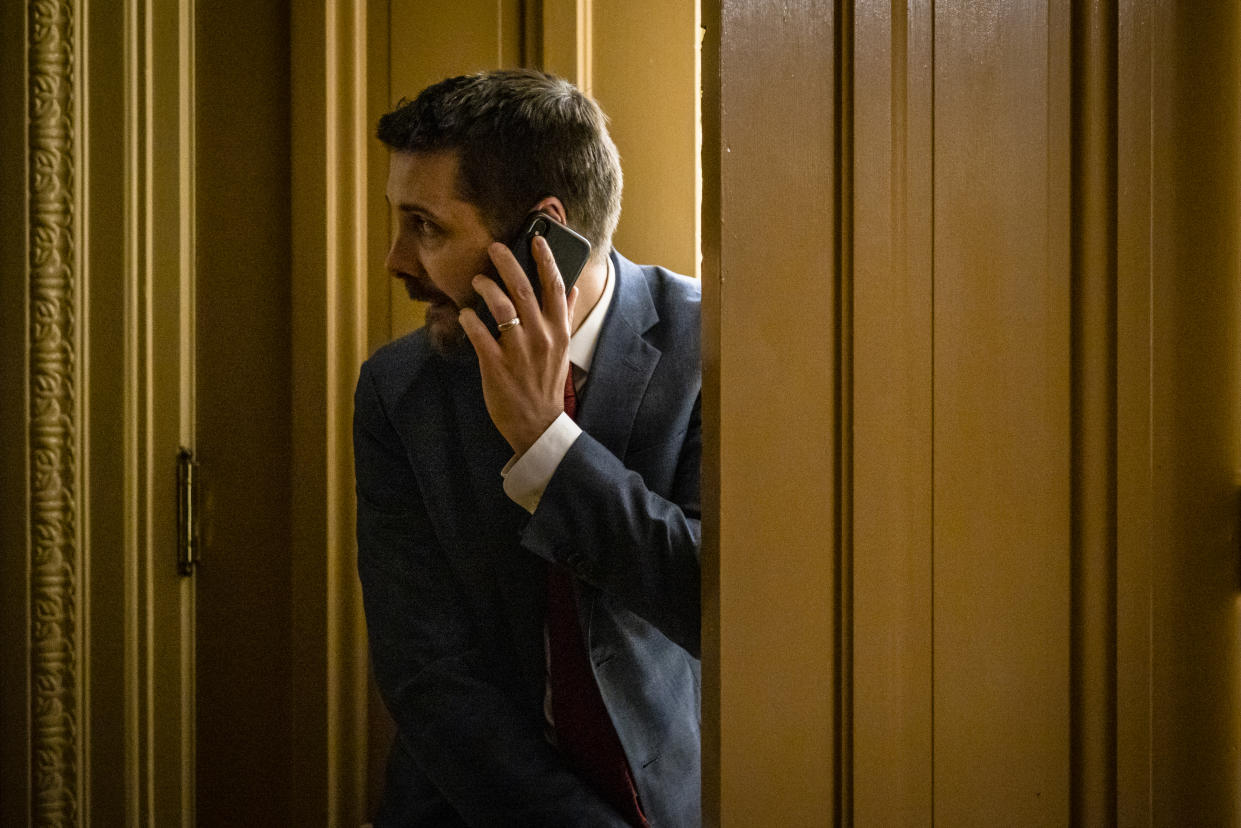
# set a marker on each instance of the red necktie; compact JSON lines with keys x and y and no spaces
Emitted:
{"x":584,"y":732}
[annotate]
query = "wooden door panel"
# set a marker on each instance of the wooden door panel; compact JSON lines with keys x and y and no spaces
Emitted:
{"x":1191,"y":383}
{"x":244,"y":409}
{"x":1001,"y":412}
{"x":1036,"y":260}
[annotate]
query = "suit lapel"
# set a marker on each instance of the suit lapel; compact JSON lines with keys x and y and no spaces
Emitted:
{"x":623,"y":363}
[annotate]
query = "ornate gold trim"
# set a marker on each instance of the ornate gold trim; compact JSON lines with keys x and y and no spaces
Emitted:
{"x":54,"y":474}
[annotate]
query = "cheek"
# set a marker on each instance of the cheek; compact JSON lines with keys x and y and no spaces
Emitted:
{"x":454,"y":271}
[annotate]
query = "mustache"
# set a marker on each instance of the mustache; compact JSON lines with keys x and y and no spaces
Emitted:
{"x":422,"y":289}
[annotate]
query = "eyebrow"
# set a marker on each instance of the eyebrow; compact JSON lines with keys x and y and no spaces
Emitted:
{"x":414,"y":208}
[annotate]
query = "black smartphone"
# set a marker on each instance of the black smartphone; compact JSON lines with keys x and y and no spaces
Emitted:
{"x":569,"y":248}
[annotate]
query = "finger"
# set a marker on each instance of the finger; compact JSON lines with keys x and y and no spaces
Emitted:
{"x":571,"y":305}
{"x":554,"y":307}
{"x":519,"y":288}
{"x":485,"y":345}
{"x":498,"y":303}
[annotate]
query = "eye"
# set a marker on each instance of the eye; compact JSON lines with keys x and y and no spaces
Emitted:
{"x":422,"y":227}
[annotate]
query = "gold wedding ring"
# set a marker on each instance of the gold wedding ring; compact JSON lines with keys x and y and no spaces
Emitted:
{"x":512,"y":323}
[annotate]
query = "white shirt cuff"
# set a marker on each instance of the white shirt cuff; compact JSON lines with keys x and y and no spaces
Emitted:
{"x":527,"y":476}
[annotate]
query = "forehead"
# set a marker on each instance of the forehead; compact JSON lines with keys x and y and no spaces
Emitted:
{"x":423,"y":180}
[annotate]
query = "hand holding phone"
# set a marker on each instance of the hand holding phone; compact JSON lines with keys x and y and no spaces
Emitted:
{"x":523,"y":369}
{"x":570,"y":250}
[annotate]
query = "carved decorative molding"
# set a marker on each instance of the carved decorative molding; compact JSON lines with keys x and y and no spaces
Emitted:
{"x":54,"y":488}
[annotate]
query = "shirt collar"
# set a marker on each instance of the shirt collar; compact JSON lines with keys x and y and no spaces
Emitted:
{"x":582,"y":343}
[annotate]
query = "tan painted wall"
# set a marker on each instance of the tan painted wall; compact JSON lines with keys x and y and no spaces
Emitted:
{"x":644,"y":65}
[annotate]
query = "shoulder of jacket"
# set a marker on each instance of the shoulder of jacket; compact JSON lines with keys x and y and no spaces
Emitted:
{"x":395,"y":365}
{"x":670,"y":288}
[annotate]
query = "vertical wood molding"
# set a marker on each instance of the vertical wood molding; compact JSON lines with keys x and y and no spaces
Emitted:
{"x":892,"y":425}
{"x":55,"y":379}
{"x":1035,"y":432}
{"x":530,"y":13}
{"x":1094,"y":381}
{"x":187,"y":372}
{"x":843,"y":382}
{"x":158,"y":364}
{"x":348,"y":136}
{"x":330,"y":331}
{"x":712,"y":151}
{"x":1136,"y":94}
{"x":567,"y":41}
{"x":105,"y":722}
{"x":1185,"y":115}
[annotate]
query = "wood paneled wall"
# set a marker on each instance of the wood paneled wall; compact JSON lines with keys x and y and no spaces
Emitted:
{"x":971,"y":283}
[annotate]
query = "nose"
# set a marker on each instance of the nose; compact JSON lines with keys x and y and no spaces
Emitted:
{"x":400,"y":258}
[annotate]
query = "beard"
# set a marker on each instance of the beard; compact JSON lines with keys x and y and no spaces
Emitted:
{"x":443,"y":327}
{"x":442,"y":324}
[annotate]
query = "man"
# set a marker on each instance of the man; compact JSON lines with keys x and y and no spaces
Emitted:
{"x":503,"y":512}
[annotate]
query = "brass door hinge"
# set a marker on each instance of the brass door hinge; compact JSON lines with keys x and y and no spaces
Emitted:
{"x":187,"y":513}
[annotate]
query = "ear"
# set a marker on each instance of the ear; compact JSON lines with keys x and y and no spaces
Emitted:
{"x":553,"y":207}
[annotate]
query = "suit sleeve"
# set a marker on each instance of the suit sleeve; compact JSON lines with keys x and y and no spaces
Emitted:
{"x":637,"y":543}
{"x":486,"y":757}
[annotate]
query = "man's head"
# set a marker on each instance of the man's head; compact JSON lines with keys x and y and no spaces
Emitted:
{"x":472,"y":156}
{"x":519,"y":136}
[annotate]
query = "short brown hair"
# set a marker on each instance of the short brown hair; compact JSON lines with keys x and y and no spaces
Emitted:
{"x":520,"y":136}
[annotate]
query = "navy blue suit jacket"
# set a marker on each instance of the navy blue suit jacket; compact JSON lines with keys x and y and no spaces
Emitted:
{"x":453,"y":572}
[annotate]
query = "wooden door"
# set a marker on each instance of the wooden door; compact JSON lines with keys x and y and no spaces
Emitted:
{"x":245,"y":646}
{"x":98,"y":636}
{"x":149,"y":304}
{"x":985,"y":571}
